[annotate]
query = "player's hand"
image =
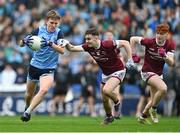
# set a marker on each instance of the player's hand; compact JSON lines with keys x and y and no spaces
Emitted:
{"x":27,"y":40}
{"x":62,"y":42}
{"x":136,"y":58}
{"x":130,"y":64}
{"x":162,"y":52}
{"x":45,"y":42}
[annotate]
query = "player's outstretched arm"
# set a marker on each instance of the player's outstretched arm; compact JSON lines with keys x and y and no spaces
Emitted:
{"x":73,"y":48}
{"x":58,"y":48}
{"x":70,"y":47}
{"x":52,"y":44}
{"x":123,"y":43}
{"x":169,"y":59}
{"x":133,"y":41}
{"x":126,"y":45}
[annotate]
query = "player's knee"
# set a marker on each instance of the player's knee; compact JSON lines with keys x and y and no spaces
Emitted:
{"x":164,"y":90}
{"x":43,"y":91}
{"x":106,"y":91}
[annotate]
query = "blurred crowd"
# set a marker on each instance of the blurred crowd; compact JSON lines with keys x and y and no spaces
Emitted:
{"x":124,"y":18}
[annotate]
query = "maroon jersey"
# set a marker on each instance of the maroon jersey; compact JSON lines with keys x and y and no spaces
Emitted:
{"x":106,"y":56}
{"x":153,"y":62}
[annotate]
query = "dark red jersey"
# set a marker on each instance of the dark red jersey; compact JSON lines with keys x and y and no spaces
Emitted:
{"x":106,"y":56}
{"x":153,"y":62}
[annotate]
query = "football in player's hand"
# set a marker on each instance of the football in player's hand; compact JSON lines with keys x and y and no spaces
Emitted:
{"x":34,"y":43}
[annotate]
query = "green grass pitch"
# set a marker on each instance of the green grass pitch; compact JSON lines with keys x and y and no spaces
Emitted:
{"x":85,"y":124}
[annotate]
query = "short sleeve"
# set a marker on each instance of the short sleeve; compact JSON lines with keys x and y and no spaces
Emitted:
{"x":35,"y":32}
{"x":144,"y":41}
{"x":172,"y":47}
{"x":85,"y":47}
{"x":60,"y":34}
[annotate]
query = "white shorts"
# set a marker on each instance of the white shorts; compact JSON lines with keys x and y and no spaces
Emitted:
{"x":118,"y":74}
{"x":146,"y":75}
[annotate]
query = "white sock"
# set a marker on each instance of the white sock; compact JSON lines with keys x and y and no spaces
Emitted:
{"x":28,"y":111}
{"x":117,"y":103}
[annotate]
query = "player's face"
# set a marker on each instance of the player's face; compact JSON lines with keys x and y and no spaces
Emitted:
{"x":91,"y":40}
{"x":160,"y":38}
{"x":52,"y":24}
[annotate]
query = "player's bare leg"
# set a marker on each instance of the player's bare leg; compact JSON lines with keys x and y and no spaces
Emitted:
{"x":109,"y":87}
{"x":149,"y":104}
{"x":107,"y":93}
{"x":107,"y":107}
{"x":117,"y":110}
{"x":45,"y":83}
{"x":140,"y":105}
{"x":31,"y":86}
{"x":161,"y":89}
{"x":157,"y":83}
{"x":144,"y":118}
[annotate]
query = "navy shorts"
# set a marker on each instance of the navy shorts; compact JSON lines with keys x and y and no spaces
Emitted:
{"x":35,"y":73}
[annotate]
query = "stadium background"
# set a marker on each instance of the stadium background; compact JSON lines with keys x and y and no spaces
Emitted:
{"x":124,"y":18}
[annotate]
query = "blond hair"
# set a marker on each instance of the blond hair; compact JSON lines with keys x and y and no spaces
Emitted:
{"x":52,"y":14}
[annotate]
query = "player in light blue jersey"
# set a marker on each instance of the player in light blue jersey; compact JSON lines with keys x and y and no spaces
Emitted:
{"x":43,"y":62}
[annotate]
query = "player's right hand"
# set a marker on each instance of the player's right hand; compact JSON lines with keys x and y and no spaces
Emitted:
{"x":136,"y":58}
{"x":27,"y":40}
{"x":45,"y":42}
{"x":62,"y":42}
{"x":130,"y":64}
{"x":162,"y":52}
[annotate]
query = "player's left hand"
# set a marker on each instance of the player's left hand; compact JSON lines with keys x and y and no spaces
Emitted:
{"x":27,"y":40}
{"x":45,"y":42}
{"x":162,"y":52}
{"x":62,"y":42}
{"x":130,"y":64}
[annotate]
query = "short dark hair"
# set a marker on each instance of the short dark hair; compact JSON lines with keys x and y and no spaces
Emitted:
{"x":93,"y":31}
{"x":53,"y":15}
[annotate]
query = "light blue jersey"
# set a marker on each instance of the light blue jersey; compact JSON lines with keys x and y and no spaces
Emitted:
{"x":46,"y":57}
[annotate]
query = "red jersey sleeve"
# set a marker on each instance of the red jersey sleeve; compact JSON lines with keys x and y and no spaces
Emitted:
{"x":172,"y":46}
{"x":145,"y":41}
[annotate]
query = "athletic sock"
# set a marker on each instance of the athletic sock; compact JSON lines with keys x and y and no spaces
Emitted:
{"x":144,"y":115}
{"x":28,"y":111}
{"x":109,"y":114}
{"x":116,"y":102}
{"x":154,"y":107}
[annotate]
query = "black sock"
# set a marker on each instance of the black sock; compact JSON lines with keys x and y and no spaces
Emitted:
{"x":116,"y":102}
{"x":154,"y":107}
{"x":109,"y":114}
{"x":26,"y":107}
{"x":144,"y":115}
